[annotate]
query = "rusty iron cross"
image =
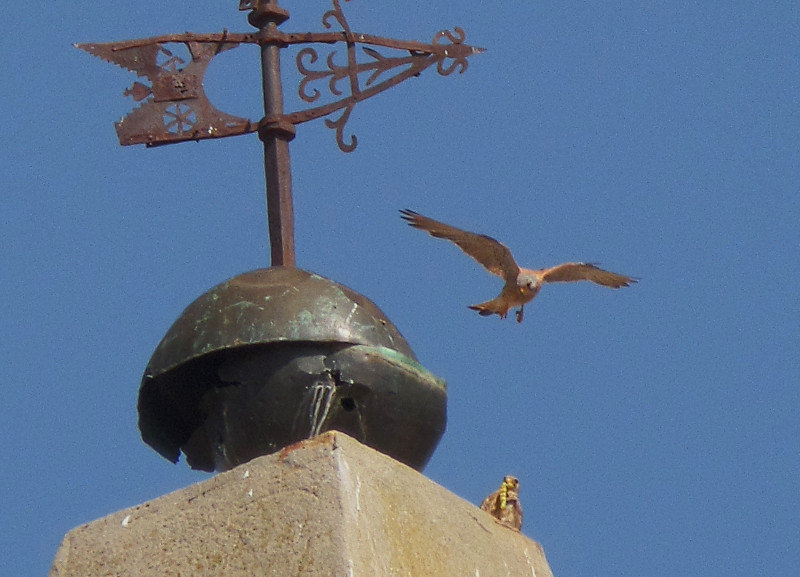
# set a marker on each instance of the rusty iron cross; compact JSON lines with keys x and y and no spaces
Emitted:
{"x":174,"y":106}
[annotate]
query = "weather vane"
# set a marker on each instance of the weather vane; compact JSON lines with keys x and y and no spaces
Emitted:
{"x":174,"y":106}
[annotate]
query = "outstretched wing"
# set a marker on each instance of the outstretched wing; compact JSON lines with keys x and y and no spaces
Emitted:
{"x":492,"y":254}
{"x":577,"y":271}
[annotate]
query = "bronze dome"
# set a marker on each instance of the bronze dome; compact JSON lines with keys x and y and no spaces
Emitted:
{"x":278,"y":355}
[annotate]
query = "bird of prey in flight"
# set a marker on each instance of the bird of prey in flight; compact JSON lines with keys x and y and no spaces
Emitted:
{"x":521,"y":284}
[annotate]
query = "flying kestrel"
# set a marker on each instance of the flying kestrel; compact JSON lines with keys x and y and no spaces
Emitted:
{"x":522,"y":284}
{"x":504,"y":503}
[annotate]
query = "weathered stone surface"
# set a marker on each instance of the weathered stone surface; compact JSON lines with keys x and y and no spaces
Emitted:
{"x":329,"y":506}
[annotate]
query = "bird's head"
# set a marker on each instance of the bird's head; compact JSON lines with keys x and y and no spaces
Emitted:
{"x":509,"y":491}
{"x":527,"y":284}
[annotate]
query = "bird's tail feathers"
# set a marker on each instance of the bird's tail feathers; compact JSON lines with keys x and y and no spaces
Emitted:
{"x":495,"y":306}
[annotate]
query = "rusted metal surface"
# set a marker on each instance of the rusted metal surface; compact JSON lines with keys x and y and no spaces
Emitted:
{"x":275,"y":135}
{"x":174,"y":106}
{"x":278,"y":355}
{"x":448,"y":55}
{"x":364,"y":73}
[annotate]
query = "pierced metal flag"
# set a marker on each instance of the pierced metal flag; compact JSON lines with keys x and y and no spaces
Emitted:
{"x":175,"y":107}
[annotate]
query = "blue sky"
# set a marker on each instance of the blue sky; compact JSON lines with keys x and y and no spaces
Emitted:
{"x":654,"y":429}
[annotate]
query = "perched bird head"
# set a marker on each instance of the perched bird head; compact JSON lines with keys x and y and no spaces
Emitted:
{"x":509,"y":489}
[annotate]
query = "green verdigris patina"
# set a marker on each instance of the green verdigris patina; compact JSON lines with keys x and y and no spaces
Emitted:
{"x":278,"y":355}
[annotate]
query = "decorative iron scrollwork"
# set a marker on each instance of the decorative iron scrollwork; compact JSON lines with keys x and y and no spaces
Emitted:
{"x":175,"y":107}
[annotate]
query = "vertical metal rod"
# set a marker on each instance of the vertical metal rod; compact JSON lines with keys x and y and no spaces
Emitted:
{"x":276,"y":137}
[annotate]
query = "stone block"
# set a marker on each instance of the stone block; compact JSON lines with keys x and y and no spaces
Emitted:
{"x":328,"y":507}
